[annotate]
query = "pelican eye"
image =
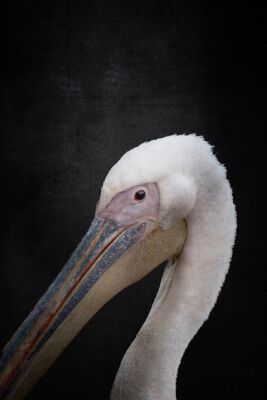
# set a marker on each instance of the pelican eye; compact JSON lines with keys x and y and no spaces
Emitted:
{"x":140,"y":195}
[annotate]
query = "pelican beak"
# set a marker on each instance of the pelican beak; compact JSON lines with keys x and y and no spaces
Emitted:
{"x":95,"y":272}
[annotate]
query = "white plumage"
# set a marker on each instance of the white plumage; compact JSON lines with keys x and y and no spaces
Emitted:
{"x":192,"y":185}
{"x":144,"y":197}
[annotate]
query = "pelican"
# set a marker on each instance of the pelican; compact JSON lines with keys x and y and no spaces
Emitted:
{"x":166,"y":200}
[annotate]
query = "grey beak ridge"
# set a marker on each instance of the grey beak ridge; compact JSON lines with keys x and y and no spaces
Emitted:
{"x":101,"y":246}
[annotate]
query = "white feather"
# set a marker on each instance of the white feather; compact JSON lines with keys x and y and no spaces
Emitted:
{"x":192,"y":184}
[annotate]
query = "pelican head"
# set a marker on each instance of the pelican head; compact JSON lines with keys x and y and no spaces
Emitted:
{"x":140,"y":221}
{"x":133,"y":231}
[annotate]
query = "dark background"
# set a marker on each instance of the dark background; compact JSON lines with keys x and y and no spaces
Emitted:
{"x":84,"y":81}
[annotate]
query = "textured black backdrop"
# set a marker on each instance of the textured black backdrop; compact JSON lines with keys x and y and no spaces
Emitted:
{"x":83,"y":82}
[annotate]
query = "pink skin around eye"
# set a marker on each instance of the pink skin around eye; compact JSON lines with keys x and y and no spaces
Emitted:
{"x":125,"y":209}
